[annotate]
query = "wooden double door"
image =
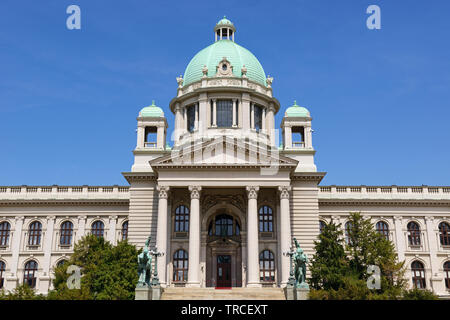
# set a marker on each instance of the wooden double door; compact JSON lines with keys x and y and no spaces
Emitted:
{"x":223,"y":271}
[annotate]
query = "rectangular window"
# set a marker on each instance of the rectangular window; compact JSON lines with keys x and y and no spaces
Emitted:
{"x":190,"y":113}
{"x":224,"y":113}
{"x":258,"y":117}
{"x":237,"y":113}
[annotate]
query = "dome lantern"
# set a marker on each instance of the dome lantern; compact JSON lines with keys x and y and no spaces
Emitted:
{"x":224,"y":29}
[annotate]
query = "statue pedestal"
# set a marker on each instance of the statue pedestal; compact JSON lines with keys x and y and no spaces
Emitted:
{"x":143,"y":293}
{"x":156,"y":292}
{"x":301,"y":293}
{"x":289,"y":293}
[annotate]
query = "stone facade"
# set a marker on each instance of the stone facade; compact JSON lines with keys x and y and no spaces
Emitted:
{"x":224,"y":202}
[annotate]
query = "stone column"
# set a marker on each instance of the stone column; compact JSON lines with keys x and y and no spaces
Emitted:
{"x":399,"y":238}
{"x":161,"y":233}
{"x":214,"y":113}
{"x":234,"y":113}
{"x":288,"y":137}
{"x":252,"y":115}
{"x":140,"y":136}
{"x":196,"y":117}
{"x":285,"y":228}
{"x":178,"y":123}
{"x":185,"y":129}
{"x":194,"y":238}
{"x":252,"y":238}
{"x":263,"y":122}
{"x":12,"y":278}
{"x":271,"y":123}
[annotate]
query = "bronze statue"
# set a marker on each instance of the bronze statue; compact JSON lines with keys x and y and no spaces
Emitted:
{"x":300,"y":261}
{"x":145,"y":265}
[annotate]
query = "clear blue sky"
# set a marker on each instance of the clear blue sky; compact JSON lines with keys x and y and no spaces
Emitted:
{"x":379,"y":99}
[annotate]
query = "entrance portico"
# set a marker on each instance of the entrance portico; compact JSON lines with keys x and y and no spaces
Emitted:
{"x":224,"y":241}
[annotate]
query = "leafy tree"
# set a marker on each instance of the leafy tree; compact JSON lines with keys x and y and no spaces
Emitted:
{"x":338,"y":273}
{"x":419,"y":294}
{"x":368,"y":247}
{"x":21,"y":292}
{"x":108,"y":272}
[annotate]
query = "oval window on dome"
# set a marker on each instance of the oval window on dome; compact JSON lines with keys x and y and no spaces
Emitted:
{"x":224,"y":67}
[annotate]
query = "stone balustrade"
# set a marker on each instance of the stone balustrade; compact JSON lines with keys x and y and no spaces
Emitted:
{"x":385,"y":192}
{"x":63,"y":192}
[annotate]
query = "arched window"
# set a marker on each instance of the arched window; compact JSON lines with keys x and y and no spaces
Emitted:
{"x":180,"y":266}
{"x":322,"y":225}
{"x":348,"y":228}
{"x":444,"y":233}
{"x":34,"y":234}
{"x":2,"y":271}
{"x":29,"y":276}
{"x":383,"y":229}
{"x":265,"y":219}
{"x":181,"y":219}
{"x":66,"y":231}
{"x":266,"y":266}
{"x":5,"y":228}
{"x":125,"y":231}
{"x":413,"y":234}
{"x":98,"y":228}
{"x":447,"y":274}
{"x":418,"y":275}
{"x":61,"y":262}
{"x":224,"y":225}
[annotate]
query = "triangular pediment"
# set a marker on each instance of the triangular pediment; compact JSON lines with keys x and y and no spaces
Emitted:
{"x":225,"y":152}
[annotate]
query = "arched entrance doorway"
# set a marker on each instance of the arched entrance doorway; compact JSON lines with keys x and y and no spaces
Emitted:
{"x":223,"y":250}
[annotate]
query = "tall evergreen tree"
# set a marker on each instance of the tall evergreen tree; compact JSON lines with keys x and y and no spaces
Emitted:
{"x":330,"y":264}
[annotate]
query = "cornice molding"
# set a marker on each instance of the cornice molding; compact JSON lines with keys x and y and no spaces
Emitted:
{"x":140,"y":176}
{"x":308,"y":176}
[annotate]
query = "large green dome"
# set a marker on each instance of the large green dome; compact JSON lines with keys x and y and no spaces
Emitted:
{"x":237,"y":56}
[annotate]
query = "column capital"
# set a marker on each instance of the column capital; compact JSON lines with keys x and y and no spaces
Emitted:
{"x":252,"y":192}
{"x":431,"y":219}
{"x":284,"y":191}
{"x":19,"y":218}
{"x":82,"y":217}
{"x":51,"y":218}
{"x":398,"y":218}
{"x":113,"y":217}
{"x":195,"y":191}
{"x":163,"y":191}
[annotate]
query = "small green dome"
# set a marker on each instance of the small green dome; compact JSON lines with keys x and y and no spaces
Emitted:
{"x":237,"y":56}
{"x":297,"y":111}
{"x":151,"y":111}
{"x":224,"y":21}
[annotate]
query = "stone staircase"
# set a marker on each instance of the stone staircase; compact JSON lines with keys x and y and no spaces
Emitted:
{"x":223,"y":294}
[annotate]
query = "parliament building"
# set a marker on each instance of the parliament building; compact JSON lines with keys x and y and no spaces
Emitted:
{"x":222,"y":197}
